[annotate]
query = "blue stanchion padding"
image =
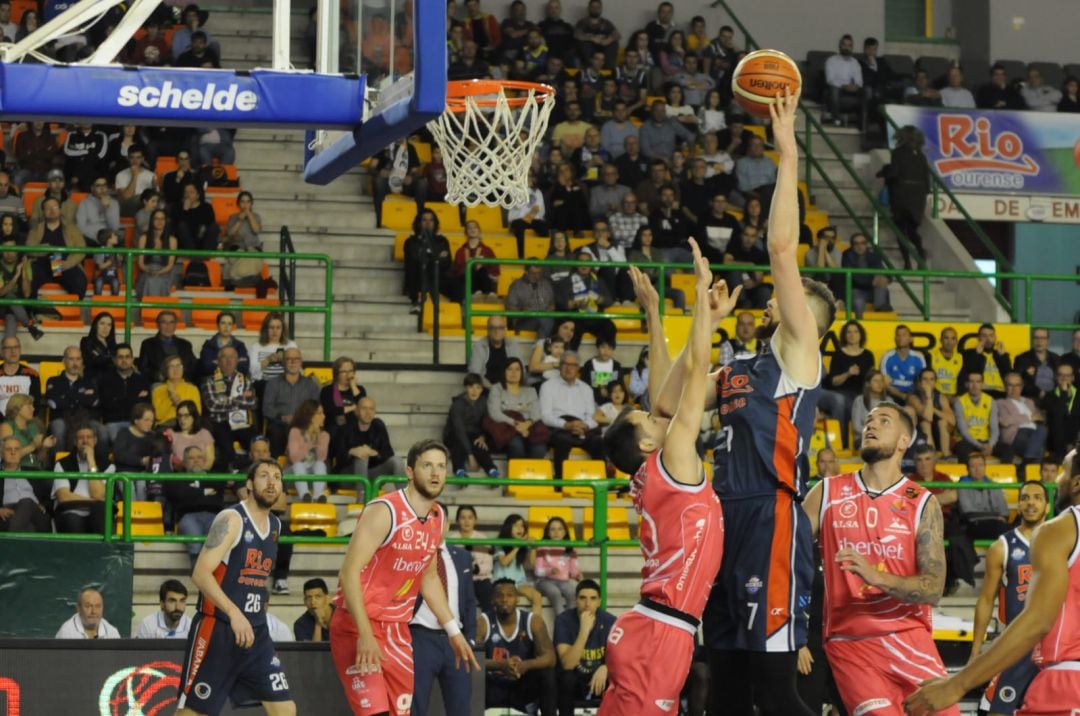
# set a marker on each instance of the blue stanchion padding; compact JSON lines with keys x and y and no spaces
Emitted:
{"x":180,"y":97}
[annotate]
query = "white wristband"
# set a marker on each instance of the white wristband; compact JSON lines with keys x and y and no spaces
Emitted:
{"x":452,"y":629}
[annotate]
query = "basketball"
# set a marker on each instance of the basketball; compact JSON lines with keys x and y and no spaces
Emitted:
{"x":760,"y":75}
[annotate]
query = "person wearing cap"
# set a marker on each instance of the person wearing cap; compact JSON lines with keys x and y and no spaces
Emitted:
{"x":35,"y":150}
{"x":55,"y":189}
{"x":193,"y":19}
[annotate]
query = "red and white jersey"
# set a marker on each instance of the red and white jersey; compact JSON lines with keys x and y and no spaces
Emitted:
{"x":681,"y":534}
{"x":391,"y":580}
{"x":882,"y":528}
{"x":1062,"y":643}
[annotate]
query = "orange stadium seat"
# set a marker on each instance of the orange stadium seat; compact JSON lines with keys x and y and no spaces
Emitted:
{"x":70,"y":316}
{"x":163,"y":166}
{"x":253,"y":319}
{"x":31,"y":191}
{"x":113,"y":305}
{"x":149,"y":315}
{"x":213,"y":271}
{"x":206,"y":318}
{"x":224,"y":207}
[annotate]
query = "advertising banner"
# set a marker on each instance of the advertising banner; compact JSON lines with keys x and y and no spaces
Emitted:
{"x":998,"y":152}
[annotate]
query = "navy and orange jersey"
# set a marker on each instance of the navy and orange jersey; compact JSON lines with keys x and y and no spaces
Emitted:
{"x":244,"y":571}
{"x":1016,"y":575}
{"x":501,"y":646}
{"x":767,"y":421}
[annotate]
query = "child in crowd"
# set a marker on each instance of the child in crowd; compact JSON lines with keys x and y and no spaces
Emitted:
{"x":600,"y":370}
{"x":557,"y":572}
{"x":107,"y":266}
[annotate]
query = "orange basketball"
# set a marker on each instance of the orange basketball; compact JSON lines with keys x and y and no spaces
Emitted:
{"x":762,"y":74}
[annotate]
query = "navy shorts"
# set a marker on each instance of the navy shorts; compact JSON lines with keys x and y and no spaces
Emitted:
{"x":216,"y":669}
{"x":761,"y":598}
{"x":1006,"y":692}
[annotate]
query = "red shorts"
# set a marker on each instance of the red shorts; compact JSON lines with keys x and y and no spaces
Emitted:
{"x":648,"y":662}
{"x":1054,"y":692}
{"x":389,"y":690}
{"x":875,"y":674}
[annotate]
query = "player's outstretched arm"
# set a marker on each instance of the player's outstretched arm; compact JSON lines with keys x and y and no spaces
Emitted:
{"x":431,"y":590}
{"x":798,"y":335}
{"x":660,"y":362}
{"x":1050,"y":548}
{"x":223,"y":536}
{"x":922,"y":588}
{"x":371,"y":531}
{"x":984,"y":606}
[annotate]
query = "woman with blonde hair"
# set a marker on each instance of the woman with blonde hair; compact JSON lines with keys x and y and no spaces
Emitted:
{"x":22,"y":424}
{"x":168,"y":396}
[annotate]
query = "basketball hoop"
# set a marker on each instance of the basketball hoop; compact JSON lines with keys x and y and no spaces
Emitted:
{"x":488,"y":135}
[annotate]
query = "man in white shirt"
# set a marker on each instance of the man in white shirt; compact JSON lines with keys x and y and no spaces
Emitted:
{"x":1038,"y":96}
{"x":133,"y":181}
{"x":169,"y":622}
{"x":89,"y":621}
{"x":956,"y":94}
{"x":79,"y":505}
{"x":844,"y":83}
{"x":567,"y":407}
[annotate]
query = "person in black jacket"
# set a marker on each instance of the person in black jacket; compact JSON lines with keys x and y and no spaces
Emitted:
{"x":73,"y":398}
{"x":998,"y":93}
{"x":1038,"y":365}
{"x":314,"y":624}
{"x":194,"y":504}
{"x":370,"y":449}
{"x":464,"y":432}
{"x":99,"y":345}
{"x":990,"y":359}
{"x":908,"y":177}
{"x":154,"y":350}
{"x":79,"y":504}
{"x":121,"y":388}
{"x":1062,"y":410}
{"x":427,"y":255}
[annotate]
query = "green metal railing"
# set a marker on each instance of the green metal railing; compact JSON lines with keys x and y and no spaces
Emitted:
{"x":130,"y":303}
{"x":1024,"y":280}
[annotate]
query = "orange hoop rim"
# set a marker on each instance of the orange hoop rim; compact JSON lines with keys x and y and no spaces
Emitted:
{"x":458,"y":91}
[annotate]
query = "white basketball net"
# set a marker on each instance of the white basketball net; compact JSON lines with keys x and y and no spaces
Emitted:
{"x":488,"y":151}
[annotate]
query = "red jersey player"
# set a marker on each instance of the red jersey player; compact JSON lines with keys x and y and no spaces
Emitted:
{"x":880,"y":536}
{"x":390,"y":559}
{"x":651,"y":647}
{"x":1050,"y":622}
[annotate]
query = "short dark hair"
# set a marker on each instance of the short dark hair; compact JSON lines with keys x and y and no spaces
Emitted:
{"x":923,"y":449}
{"x":198,"y":34}
{"x":621,"y":443}
{"x":997,"y":66}
{"x":169,"y":585}
{"x":462,"y":508}
{"x":421,"y":447}
{"x":255,"y":466}
{"x":905,"y":419}
{"x":587,"y":584}
{"x":122,"y":346}
{"x":502,"y":581}
{"x":826,"y":229}
{"x":859,"y":327}
{"x":473,"y":379}
{"x":167,"y":313}
{"x":1044,"y":488}
{"x":984,"y":326}
{"x":870,"y":42}
{"x":976,"y":455}
{"x":139,"y":409}
{"x":316,"y":583}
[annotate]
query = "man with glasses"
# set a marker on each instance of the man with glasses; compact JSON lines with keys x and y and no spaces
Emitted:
{"x":16,"y":378}
{"x":567,"y":407}
{"x":1023,"y":429}
{"x":172,"y":184}
{"x":154,"y":350}
{"x":1036,"y":366}
{"x":65,"y":269}
{"x":283,"y":395}
{"x":866,"y":288}
{"x":98,"y":211}
{"x":490,"y":354}
{"x":1062,"y":412}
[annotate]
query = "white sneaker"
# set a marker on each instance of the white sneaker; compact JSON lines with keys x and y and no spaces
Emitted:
{"x":281,"y":586}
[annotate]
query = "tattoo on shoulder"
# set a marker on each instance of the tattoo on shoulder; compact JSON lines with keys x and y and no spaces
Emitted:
{"x":219,"y":530}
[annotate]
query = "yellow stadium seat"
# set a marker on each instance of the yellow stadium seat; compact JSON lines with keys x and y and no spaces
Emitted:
{"x":507,"y":275}
{"x":536,"y":247}
{"x":816,"y":221}
{"x":520,"y":472}
{"x":757,"y":130}
{"x":855,"y":466}
{"x":618,"y":526}
{"x":479,"y":323}
{"x":449,"y":315}
{"x":582,"y":470}
{"x":952,"y":469}
{"x":685,"y":282}
{"x":880,"y":315}
{"x":47,"y":369}
{"x":423,"y":151}
{"x":313,"y":516}
{"x":146,"y":519}
{"x":449,"y":217}
{"x":504,"y":247}
{"x":1001,"y":472}
{"x":539,"y":515}
{"x":322,"y":374}
{"x":490,"y":218}
{"x":398,"y":212}
{"x":625,"y":324}
{"x":1033,"y":472}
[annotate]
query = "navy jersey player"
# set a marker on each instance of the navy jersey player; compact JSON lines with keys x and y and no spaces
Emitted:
{"x":756,"y":618}
{"x":1008,"y":578}
{"x":229,"y":652}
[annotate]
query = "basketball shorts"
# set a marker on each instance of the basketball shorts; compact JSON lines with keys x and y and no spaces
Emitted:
{"x":389,"y":690}
{"x":216,"y":669}
{"x":761,"y":598}
{"x":648,"y":659}
{"x":1055,"y":691}
{"x":875,"y":674}
{"x":1006,"y":692}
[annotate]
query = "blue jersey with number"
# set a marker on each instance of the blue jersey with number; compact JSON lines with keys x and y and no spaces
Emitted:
{"x":501,"y":645}
{"x":1016,"y":576}
{"x":767,"y":420}
{"x":244,"y":571}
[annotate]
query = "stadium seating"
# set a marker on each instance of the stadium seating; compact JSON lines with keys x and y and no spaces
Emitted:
{"x":146,"y":519}
{"x":314,"y":517}
{"x":538,"y":516}
{"x":521,"y":471}
{"x":582,"y":470}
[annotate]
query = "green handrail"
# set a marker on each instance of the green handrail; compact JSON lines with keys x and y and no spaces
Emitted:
{"x":130,"y":302}
{"x":110,"y":485}
{"x":469,"y":312}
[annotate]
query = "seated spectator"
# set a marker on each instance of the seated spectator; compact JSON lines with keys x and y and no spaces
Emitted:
{"x":954,"y":94}
{"x":695,"y":84}
{"x":79,"y":504}
{"x":604,"y":249}
{"x":229,"y":398}
{"x":559,"y":250}
{"x":679,"y":109}
{"x":434,"y":173}
{"x":108,"y":265}
{"x":644,"y":251}
{"x":827,"y":464}
{"x":1062,"y":412}
{"x":1037,"y":366}
{"x":173,"y":183}
{"x":532,"y":291}
{"x":998,"y":93}
{"x":15,"y":283}
{"x":21,"y":501}
{"x":283,"y":395}
{"x":544,"y":363}
{"x":744,"y":341}
{"x":529,"y":216}
{"x":98,"y":211}
{"x":243,"y":227}
{"x":165,"y":343}
{"x":513,"y":421}
{"x":844,"y":83}
{"x":397,"y":170}
{"x":519,"y":669}
{"x":190,"y":430}
{"x":132,"y":181}
{"x":1023,"y":427}
{"x":88,"y":621}
{"x":464,"y":432}
{"x":99,"y":346}
{"x":567,"y":406}
{"x":716,"y":229}
{"x":54,"y":189}
{"x":340,"y":401}
{"x":617,"y":399}
{"x":314,"y":623}
{"x":36,"y":152}
{"x":11,"y":202}
{"x":516,"y":563}
{"x":581,"y":635}
{"x":960,"y":557}
{"x":154,"y":37}
{"x":568,"y":204}
{"x":212,"y":347}
{"x":215,"y":149}
{"x":556,"y":568}
{"x":735,"y":139}
{"x":1038,"y":96}
{"x":485,"y":277}
{"x":988,"y":358}
{"x":73,"y":398}
{"x":491,"y":353}
{"x":167,"y":396}
{"x":1072,"y":358}
{"x":34,"y":444}
{"x":369,"y":447}
{"x":755,"y":293}
{"x":1070,"y":96}
{"x":134,"y":447}
{"x":65,"y":269}
{"x":483,"y":28}
{"x":755,"y":173}
{"x":902,"y":365}
{"x":427,"y":260}
{"x":535,"y":53}
{"x":601,"y":370}
{"x":613,"y":133}
{"x":934,"y":416}
{"x":984,"y":512}
{"x":582,"y":291}
{"x":606,"y":197}
{"x":696,"y":193}
{"x":483,"y":562}
{"x":171,"y":621}
{"x":825,"y":254}
{"x":194,"y":221}
{"x":844,"y":382}
{"x":199,"y":54}
{"x":633,"y":166}
{"x":569,"y":134}
{"x":866,"y":288}
{"x":670,"y":226}
{"x":193,"y":20}
{"x":85,"y":149}
{"x":267,"y":356}
{"x":194,"y":504}
{"x":660,"y":135}
{"x":590,"y":158}
{"x":976,"y":420}
{"x":626,"y":221}
{"x":307,"y":450}
{"x":873,"y":393}
{"x":121,"y":387}
{"x":878,"y":77}
{"x":16,"y":378}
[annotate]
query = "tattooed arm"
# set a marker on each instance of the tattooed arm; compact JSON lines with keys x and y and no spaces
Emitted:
{"x":223,"y":536}
{"x":922,"y":588}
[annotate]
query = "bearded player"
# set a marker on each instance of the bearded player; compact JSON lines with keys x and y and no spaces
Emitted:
{"x":650,"y":648}
{"x":1048,"y":627}
{"x":229,"y":652}
{"x":390,"y":559}
{"x":881,"y":549}
{"x":1008,"y":578}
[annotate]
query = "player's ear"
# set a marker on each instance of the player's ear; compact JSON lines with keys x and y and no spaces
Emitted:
{"x":647,"y":445}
